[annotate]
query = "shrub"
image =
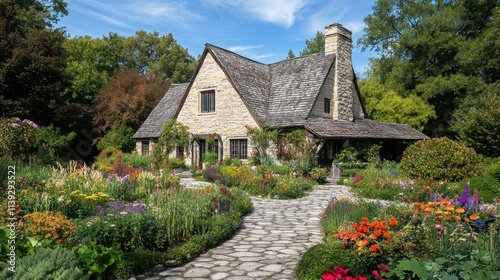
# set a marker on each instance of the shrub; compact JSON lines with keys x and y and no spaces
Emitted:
{"x":16,"y":138}
{"x":494,"y":170}
{"x":137,"y":262}
{"x":319,"y":174}
{"x":107,"y":158}
{"x":321,"y":257}
{"x":136,"y":160}
{"x":211,"y":174}
{"x":57,"y":264}
{"x":440,"y":159}
{"x":119,"y":138}
{"x":95,"y":259}
{"x":210,"y":158}
{"x":52,"y":146}
{"x":48,"y":225}
{"x":488,"y":187}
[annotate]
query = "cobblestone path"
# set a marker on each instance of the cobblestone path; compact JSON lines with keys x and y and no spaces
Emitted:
{"x":268,"y":245}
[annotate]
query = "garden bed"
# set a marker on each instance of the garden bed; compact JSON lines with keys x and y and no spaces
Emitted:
{"x":112,"y":225}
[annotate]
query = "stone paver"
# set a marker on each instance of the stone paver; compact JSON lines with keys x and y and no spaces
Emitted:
{"x":268,"y":245}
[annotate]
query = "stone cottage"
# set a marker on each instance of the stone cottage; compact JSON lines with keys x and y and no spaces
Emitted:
{"x":228,"y":92}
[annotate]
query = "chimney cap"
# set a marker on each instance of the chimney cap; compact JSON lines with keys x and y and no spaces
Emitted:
{"x":337,"y":29}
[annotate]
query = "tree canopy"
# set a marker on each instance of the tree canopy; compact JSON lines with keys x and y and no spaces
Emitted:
{"x":441,"y":51}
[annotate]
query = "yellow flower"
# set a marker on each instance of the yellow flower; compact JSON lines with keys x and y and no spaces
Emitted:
{"x":460,"y":210}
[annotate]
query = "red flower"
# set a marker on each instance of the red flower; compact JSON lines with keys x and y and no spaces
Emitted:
{"x":383,"y":267}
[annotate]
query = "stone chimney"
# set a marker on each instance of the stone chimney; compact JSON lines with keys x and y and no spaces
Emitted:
{"x":338,"y":40}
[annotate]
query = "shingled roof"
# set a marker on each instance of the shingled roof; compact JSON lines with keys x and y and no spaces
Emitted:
{"x":163,"y":112}
{"x":362,"y":129}
{"x":281,"y":94}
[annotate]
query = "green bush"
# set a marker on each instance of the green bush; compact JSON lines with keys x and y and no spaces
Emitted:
{"x":136,"y":160}
{"x":119,"y":138}
{"x":52,"y":146}
{"x":494,"y":170}
{"x":323,"y":257}
{"x":440,"y":159}
{"x":137,"y":262}
{"x":57,"y":264}
{"x":488,"y":187}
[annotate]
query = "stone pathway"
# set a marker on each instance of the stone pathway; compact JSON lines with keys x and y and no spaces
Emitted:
{"x":268,"y":245}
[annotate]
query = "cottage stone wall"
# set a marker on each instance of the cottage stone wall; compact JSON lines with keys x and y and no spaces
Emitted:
{"x":231,"y":114}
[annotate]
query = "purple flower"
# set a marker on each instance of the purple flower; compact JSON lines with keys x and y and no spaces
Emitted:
{"x":17,"y":119}
{"x":475,"y":198}
{"x":15,"y":125}
{"x":464,"y":200}
{"x":35,"y":126}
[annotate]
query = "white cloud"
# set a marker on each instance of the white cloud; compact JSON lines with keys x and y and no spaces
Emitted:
{"x":355,"y":26}
{"x":282,"y":12}
{"x":242,"y":48}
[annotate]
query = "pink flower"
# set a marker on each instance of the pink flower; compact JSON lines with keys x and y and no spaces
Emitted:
{"x":383,"y":267}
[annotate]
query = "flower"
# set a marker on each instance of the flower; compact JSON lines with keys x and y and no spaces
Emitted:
{"x":479,"y":224}
{"x":393,"y":222}
{"x":460,"y":210}
{"x":464,"y":200}
{"x":375,"y":247}
{"x":15,"y":125}
{"x":383,"y":267}
{"x":474,"y":217}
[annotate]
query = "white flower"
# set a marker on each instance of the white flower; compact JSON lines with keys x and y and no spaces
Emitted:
{"x":112,"y":225}
{"x":123,"y":213}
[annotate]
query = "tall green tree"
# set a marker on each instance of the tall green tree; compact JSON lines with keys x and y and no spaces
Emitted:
{"x":32,"y":59}
{"x":313,"y":45}
{"x":426,"y":48}
{"x":384,"y":104}
{"x":158,"y":55}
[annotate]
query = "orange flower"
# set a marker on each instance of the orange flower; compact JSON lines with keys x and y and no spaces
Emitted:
{"x":393,"y":222}
{"x":387,"y":234}
{"x":439,"y":212}
{"x":457,"y":218}
{"x":417,"y":212}
{"x":377,"y":232}
{"x":418,"y":204}
{"x":474,"y":217}
{"x":374,"y":247}
{"x":460,"y":210}
{"x":450,"y":208}
{"x":362,"y":243}
{"x":372,"y":236}
{"x":428,"y":209}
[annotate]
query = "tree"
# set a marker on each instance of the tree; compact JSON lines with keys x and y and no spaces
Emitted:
{"x":31,"y":51}
{"x":128,"y":98}
{"x":477,"y":122}
{"x":425,"y":49}
{"x":91,"y":62}
{"x":313,"y":45}
{"x":384,"y":104}
{"x":158,"y":55}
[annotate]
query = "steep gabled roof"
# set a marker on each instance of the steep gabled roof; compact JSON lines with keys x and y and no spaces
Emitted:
{"x":362,"y":129}
{"x":250,"y":78}
{"x":295,"y":84}
{"x":163,"y":112}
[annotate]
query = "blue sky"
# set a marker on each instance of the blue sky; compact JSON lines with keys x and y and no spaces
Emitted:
{"x":263,"y":30}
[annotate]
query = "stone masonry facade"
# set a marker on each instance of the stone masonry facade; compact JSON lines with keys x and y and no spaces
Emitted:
{"x":231,"y":114}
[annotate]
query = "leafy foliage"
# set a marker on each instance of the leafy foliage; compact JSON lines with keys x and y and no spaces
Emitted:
{"x":441,"y":51}
{"x":119,"y":138}
{"x":128,"y":98}
{"x":173,"y":135}
{"x":57,"y":264}
{"x":31,"y":51}
{"x":16,"y":140}
{"x":384,"y":104}
{"x":52,"y":146}
{"x":313,"y":45}
{"x":262,"y":139}
{"x":440,"y":159}
{"x":48,"y":224}
{"x":477,"y":121}
{"x":95,"y":259}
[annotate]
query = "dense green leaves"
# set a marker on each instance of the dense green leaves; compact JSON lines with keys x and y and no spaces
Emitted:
{"x":384,"y":104}
{"x":441,"y":51}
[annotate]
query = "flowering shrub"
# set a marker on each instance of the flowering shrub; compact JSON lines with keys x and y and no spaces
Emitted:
{"x":17,"y":138}
{"x":49,"y":225}
{"x":440,"y":159}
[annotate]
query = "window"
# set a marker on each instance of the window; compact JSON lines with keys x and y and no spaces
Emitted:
{"x":238,"y":148}
{"x":145,"y":148}
{"x":327,"y":105}
{"x":208,"y":101}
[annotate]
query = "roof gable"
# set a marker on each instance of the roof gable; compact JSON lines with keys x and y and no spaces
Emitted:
{"x":163,"y":112}
{"x":295,"y":85}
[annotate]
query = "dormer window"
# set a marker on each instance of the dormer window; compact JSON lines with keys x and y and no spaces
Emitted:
{"x":327,"y":105}
{"x":208,"y":101}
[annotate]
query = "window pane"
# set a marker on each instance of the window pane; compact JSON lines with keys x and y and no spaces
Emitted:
{"x":234,"y":149}
{"x":243,"y":146}
{"x":208,"y":101}
{"x":145,"y":148}
{"x":327,"y":105}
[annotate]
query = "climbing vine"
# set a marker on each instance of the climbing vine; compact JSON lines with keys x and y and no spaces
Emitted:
{"x":174,"y":134}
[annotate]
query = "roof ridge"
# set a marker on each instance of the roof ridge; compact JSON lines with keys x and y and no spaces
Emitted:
{"x":239,"y":55}
{"x":296,"y":58}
